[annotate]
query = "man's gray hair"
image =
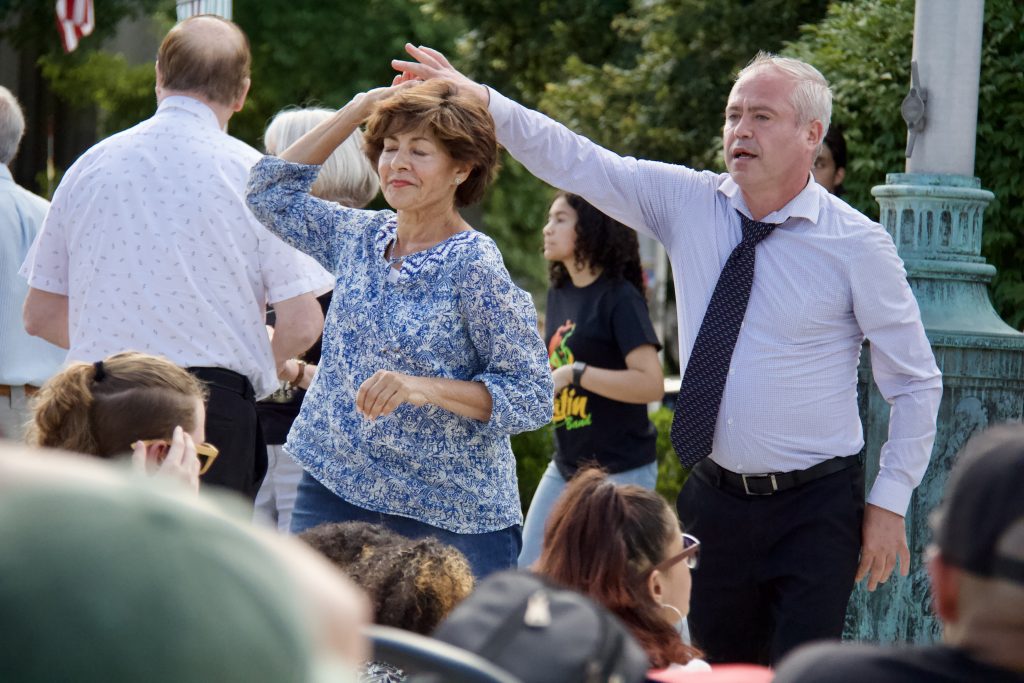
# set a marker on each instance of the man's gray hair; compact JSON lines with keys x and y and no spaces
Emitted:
{"x":812,"y":97}
{"x":12,"y":126}
{"x":347,"y":177}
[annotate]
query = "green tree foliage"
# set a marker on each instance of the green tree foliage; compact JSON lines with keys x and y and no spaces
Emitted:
{"x":864,"y":48}
{"x":667,"y":104}
{"x":29,"y":25}
{"x":311,"y":52}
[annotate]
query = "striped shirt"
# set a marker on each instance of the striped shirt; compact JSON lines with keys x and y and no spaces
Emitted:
{"x":826,"y":279}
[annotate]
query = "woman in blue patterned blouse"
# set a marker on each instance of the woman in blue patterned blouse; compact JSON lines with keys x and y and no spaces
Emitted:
{"x":431,"y":356}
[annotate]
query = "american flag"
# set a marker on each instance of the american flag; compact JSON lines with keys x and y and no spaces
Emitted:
{"x":74,"y":21}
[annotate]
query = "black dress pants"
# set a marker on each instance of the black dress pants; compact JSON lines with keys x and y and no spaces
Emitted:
{"x":232,"y":425}
{"x":775,"y":571}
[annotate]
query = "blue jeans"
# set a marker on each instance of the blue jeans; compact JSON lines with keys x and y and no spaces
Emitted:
{"x":550,"y":488}
{"x":487,"y":553}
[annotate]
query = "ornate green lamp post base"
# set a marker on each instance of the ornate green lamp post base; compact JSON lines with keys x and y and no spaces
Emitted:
{"x":936,"y":222}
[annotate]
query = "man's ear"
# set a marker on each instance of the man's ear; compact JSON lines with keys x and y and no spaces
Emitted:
{"x":815,"y":133}
{"x":159,"y":78}
{"x":945,"y":580}
{"x":240,"y":102}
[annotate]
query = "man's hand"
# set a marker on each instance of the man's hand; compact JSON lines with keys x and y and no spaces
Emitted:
{"x":432,"y":64}
{"x":386,"y":390}
{"x":884,"y":540}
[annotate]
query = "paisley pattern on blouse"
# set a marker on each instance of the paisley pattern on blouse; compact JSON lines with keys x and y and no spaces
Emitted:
{"x":451,"y":311}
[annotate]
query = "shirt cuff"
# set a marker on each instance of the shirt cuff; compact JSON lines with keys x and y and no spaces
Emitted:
{"x":499,"y":106}
{"x":890,"y":495}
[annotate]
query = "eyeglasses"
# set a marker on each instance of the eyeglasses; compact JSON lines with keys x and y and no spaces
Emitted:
{"x":690,"y":554}
{"x":206,"y":452}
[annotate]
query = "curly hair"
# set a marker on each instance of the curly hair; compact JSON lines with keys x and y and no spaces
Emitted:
{"x":413,"y":583}
{"x":135,"y":396}
{"x":601,"y":242}
{"x":600,"y":540}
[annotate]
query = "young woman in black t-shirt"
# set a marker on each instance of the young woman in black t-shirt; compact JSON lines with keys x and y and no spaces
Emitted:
{"x":603,"y":354}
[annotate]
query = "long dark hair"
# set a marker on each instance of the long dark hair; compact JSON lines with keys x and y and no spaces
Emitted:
{"x":601,"y":242}
{"x":601,"y":539}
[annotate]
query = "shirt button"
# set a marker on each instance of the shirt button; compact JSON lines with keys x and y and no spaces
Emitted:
{"x":732,"y":371}
{"x":739,"y":468}
{"x":729,"y":421}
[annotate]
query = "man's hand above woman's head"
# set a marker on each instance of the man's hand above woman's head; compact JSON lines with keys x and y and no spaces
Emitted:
{"x":432,"y":64}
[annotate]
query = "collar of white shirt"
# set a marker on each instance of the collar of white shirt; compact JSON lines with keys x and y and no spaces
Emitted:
{"x":192,"y":106}
{"x":807,"y":204}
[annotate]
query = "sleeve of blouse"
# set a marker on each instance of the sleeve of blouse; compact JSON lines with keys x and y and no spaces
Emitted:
{"x":502,"y":324}
{"x":278,"y":195}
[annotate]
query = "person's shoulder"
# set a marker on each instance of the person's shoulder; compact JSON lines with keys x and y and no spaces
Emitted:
{"x":36,"y":204}
{"x":840,"y":662}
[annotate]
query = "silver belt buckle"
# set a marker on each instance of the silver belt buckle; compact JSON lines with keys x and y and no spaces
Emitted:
{"x":770,"y":477}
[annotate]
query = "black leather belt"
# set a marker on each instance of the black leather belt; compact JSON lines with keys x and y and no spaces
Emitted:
{"x":713,"y":474}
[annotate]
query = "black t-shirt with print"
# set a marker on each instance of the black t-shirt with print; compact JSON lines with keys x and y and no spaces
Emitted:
{"x":598,"y":324}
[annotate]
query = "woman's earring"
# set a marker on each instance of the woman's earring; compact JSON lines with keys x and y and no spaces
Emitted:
{"x":673,"y":608}
{"x":458,"y":180}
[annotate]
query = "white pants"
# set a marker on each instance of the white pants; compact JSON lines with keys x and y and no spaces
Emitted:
{"x":276,"y":497}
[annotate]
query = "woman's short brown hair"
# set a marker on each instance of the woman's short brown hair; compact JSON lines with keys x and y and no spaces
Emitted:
{"x":461,"y":123}
{"x":102,"y":409}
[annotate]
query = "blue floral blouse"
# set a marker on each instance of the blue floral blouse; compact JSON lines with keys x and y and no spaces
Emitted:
{"x":451,"y":311}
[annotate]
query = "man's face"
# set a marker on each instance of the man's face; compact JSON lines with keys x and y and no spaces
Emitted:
{"x":766,"y":148}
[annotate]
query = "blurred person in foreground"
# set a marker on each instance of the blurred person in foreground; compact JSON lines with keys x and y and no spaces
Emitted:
{"x":431,"y":357}
{"x":148,"y":245}
{"x":25,"y":361}
{"x":976,"y":567}
{"x":347,"y":178}
{"x":109,"y":577}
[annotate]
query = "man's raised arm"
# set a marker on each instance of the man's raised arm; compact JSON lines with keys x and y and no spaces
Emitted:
{"x":618,"y":186}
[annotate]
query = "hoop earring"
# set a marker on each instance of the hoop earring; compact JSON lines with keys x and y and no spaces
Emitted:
{"x":674,"y":609}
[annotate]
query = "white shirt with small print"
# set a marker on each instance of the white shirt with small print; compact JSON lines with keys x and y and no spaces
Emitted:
{"x":150,"y":239}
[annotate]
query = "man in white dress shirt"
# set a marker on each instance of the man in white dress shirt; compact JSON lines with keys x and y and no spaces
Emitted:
{"x":778,"y":501}
{"x":149,"y":246}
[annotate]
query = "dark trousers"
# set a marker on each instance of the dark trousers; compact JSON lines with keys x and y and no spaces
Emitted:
{"x":775,"y":571}
{"x":232,"y":425}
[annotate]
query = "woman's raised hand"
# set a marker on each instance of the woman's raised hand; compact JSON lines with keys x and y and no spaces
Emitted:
{"x":432,"y":64}
{"x":180,"y":461}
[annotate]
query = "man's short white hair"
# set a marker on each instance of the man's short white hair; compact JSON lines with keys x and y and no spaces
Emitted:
{"x":347,"y":177}
{"x":12,"y":126}
{"x":811,"y":97}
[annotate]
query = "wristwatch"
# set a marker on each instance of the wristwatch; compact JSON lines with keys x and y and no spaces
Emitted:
{"x":578,"y":368}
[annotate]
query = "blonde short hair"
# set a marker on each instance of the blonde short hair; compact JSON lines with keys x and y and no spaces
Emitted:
{"x":347,"y":177}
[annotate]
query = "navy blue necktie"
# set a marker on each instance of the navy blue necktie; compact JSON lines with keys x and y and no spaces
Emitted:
{"x":700,"y":394}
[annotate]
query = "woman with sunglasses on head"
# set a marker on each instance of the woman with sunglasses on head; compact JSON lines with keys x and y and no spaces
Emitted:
{"x":603,"y":354}
{"x":621,"y":545}
{"x":129,"y":404}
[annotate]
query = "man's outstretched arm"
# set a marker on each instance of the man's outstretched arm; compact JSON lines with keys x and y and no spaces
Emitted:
{"x":640,"y":194}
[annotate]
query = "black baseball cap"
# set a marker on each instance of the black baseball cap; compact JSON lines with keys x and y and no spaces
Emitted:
{"x":979,"y":526}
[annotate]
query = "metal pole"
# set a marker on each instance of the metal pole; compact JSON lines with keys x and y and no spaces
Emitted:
{"x":947,"y":50}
